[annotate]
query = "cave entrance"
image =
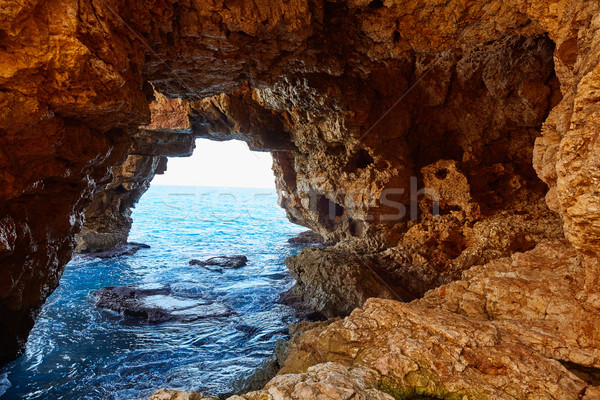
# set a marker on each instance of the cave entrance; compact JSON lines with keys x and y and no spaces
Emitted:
{"x":205,"y":324}
{"x":220,"y":181}
{"x":220,"y":164}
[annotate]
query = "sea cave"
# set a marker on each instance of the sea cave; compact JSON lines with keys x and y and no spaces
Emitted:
{"x":443,"y":155}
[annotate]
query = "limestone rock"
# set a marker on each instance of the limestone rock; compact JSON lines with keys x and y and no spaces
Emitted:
{"x":330,"y":381}
{"x":332,"y":283}
{"x":519,"y":327}
{"x":108,"y":218}
{"x":307,"y":237}
{"x":127,"y":249}
{"x":163,"y":142}
{"x":165,"y":394}
{"x":357,"y":97}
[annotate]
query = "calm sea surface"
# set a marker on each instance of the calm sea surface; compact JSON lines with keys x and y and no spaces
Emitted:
{"x":79,"y":351}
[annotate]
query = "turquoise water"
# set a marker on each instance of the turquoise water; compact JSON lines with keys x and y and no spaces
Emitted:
{"x":79,"y":351}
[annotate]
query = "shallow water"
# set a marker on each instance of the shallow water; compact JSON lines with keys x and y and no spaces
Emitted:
{"x":79,"y":351}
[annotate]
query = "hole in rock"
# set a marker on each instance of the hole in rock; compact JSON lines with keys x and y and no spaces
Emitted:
{"x":3,"y":37}
{"x":376,"y":4}
{"x":328,"y":209}
{"x":207,"y":327}
{"x":362,"y":159}
{"x":120,"y":189}
{"x":441,"y":173}
{"x":480,"y":121}
{"x":590,"y":375}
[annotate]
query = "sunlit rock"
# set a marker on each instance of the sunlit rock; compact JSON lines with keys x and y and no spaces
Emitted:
{"x":413,"y":133}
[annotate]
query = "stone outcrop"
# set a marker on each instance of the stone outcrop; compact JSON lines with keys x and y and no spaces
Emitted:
{"x":158,"y":303}
{"x":165,"y":394}
{"x":108,"y":218}
{"x":223,"y":261}
{"x":364,"y":103}
{"x":307,"y":237}
{"x":333,"y":283}
{"x":518,"y":327}
{"x":340,"y":278}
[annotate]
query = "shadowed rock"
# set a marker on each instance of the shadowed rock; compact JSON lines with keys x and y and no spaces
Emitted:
{"x":127,"y":249}
{"x":157,"y":303}
{"x":222,"y":261}
{"x":166,"y":394}
{"x":332,"y":282}
{"x":307,"y":237}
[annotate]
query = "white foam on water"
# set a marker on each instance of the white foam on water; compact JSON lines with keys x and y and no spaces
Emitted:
{"x":4,"y":383}
{"x":170,"y":303}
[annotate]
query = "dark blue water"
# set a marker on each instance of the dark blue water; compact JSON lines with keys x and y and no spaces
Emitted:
{"x":78,"y":351}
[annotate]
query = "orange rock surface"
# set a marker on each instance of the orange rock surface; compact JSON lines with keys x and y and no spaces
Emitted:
{"x":492,"y":104}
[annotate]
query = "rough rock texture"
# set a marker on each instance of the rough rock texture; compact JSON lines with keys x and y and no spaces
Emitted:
{"x":223,"y":261}
{"x":307,"y":237}
{"x":108,"y":218}
{"x":520,"y":327}
{"x":356,"y":97}
{"x":158,"y":303}
{"x":333,"y":283}
{"x":342,"y":277}
{"x":70,"y":93}
{"x":164,"y":394}
{"x":127,"y":249}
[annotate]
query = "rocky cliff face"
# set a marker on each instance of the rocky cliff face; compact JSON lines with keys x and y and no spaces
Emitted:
{"x":365,"y":103}
{"x":108,"y":217}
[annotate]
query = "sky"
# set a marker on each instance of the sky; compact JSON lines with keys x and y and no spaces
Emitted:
{"x":227,"y":164}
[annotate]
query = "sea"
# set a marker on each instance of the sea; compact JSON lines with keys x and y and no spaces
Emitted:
{"x":80,"y":351}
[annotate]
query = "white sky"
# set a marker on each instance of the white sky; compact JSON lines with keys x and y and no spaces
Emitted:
{"x":228,"y":164}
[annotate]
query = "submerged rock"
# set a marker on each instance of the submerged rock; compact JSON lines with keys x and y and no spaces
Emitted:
{"x":223,"y":261}
{"x":157,"y":303}
{"x":127,"y":249}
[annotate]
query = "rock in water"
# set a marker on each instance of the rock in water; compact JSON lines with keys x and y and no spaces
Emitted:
{"x":223,"y":261}
{"x":127,"y":249}
{"x":157,"y":303}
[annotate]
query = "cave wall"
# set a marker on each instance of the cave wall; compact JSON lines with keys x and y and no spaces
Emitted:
{"x":107,"y":220}
{"x":306,"y":79}
{"x":467,"y":133}
{"x":70,"y":95}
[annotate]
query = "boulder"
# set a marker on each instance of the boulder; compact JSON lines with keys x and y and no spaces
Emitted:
{"x":332,"y":283}
{"x":222,"y":261}
{"x":157,"y":303}
{"x":127,"y":249}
